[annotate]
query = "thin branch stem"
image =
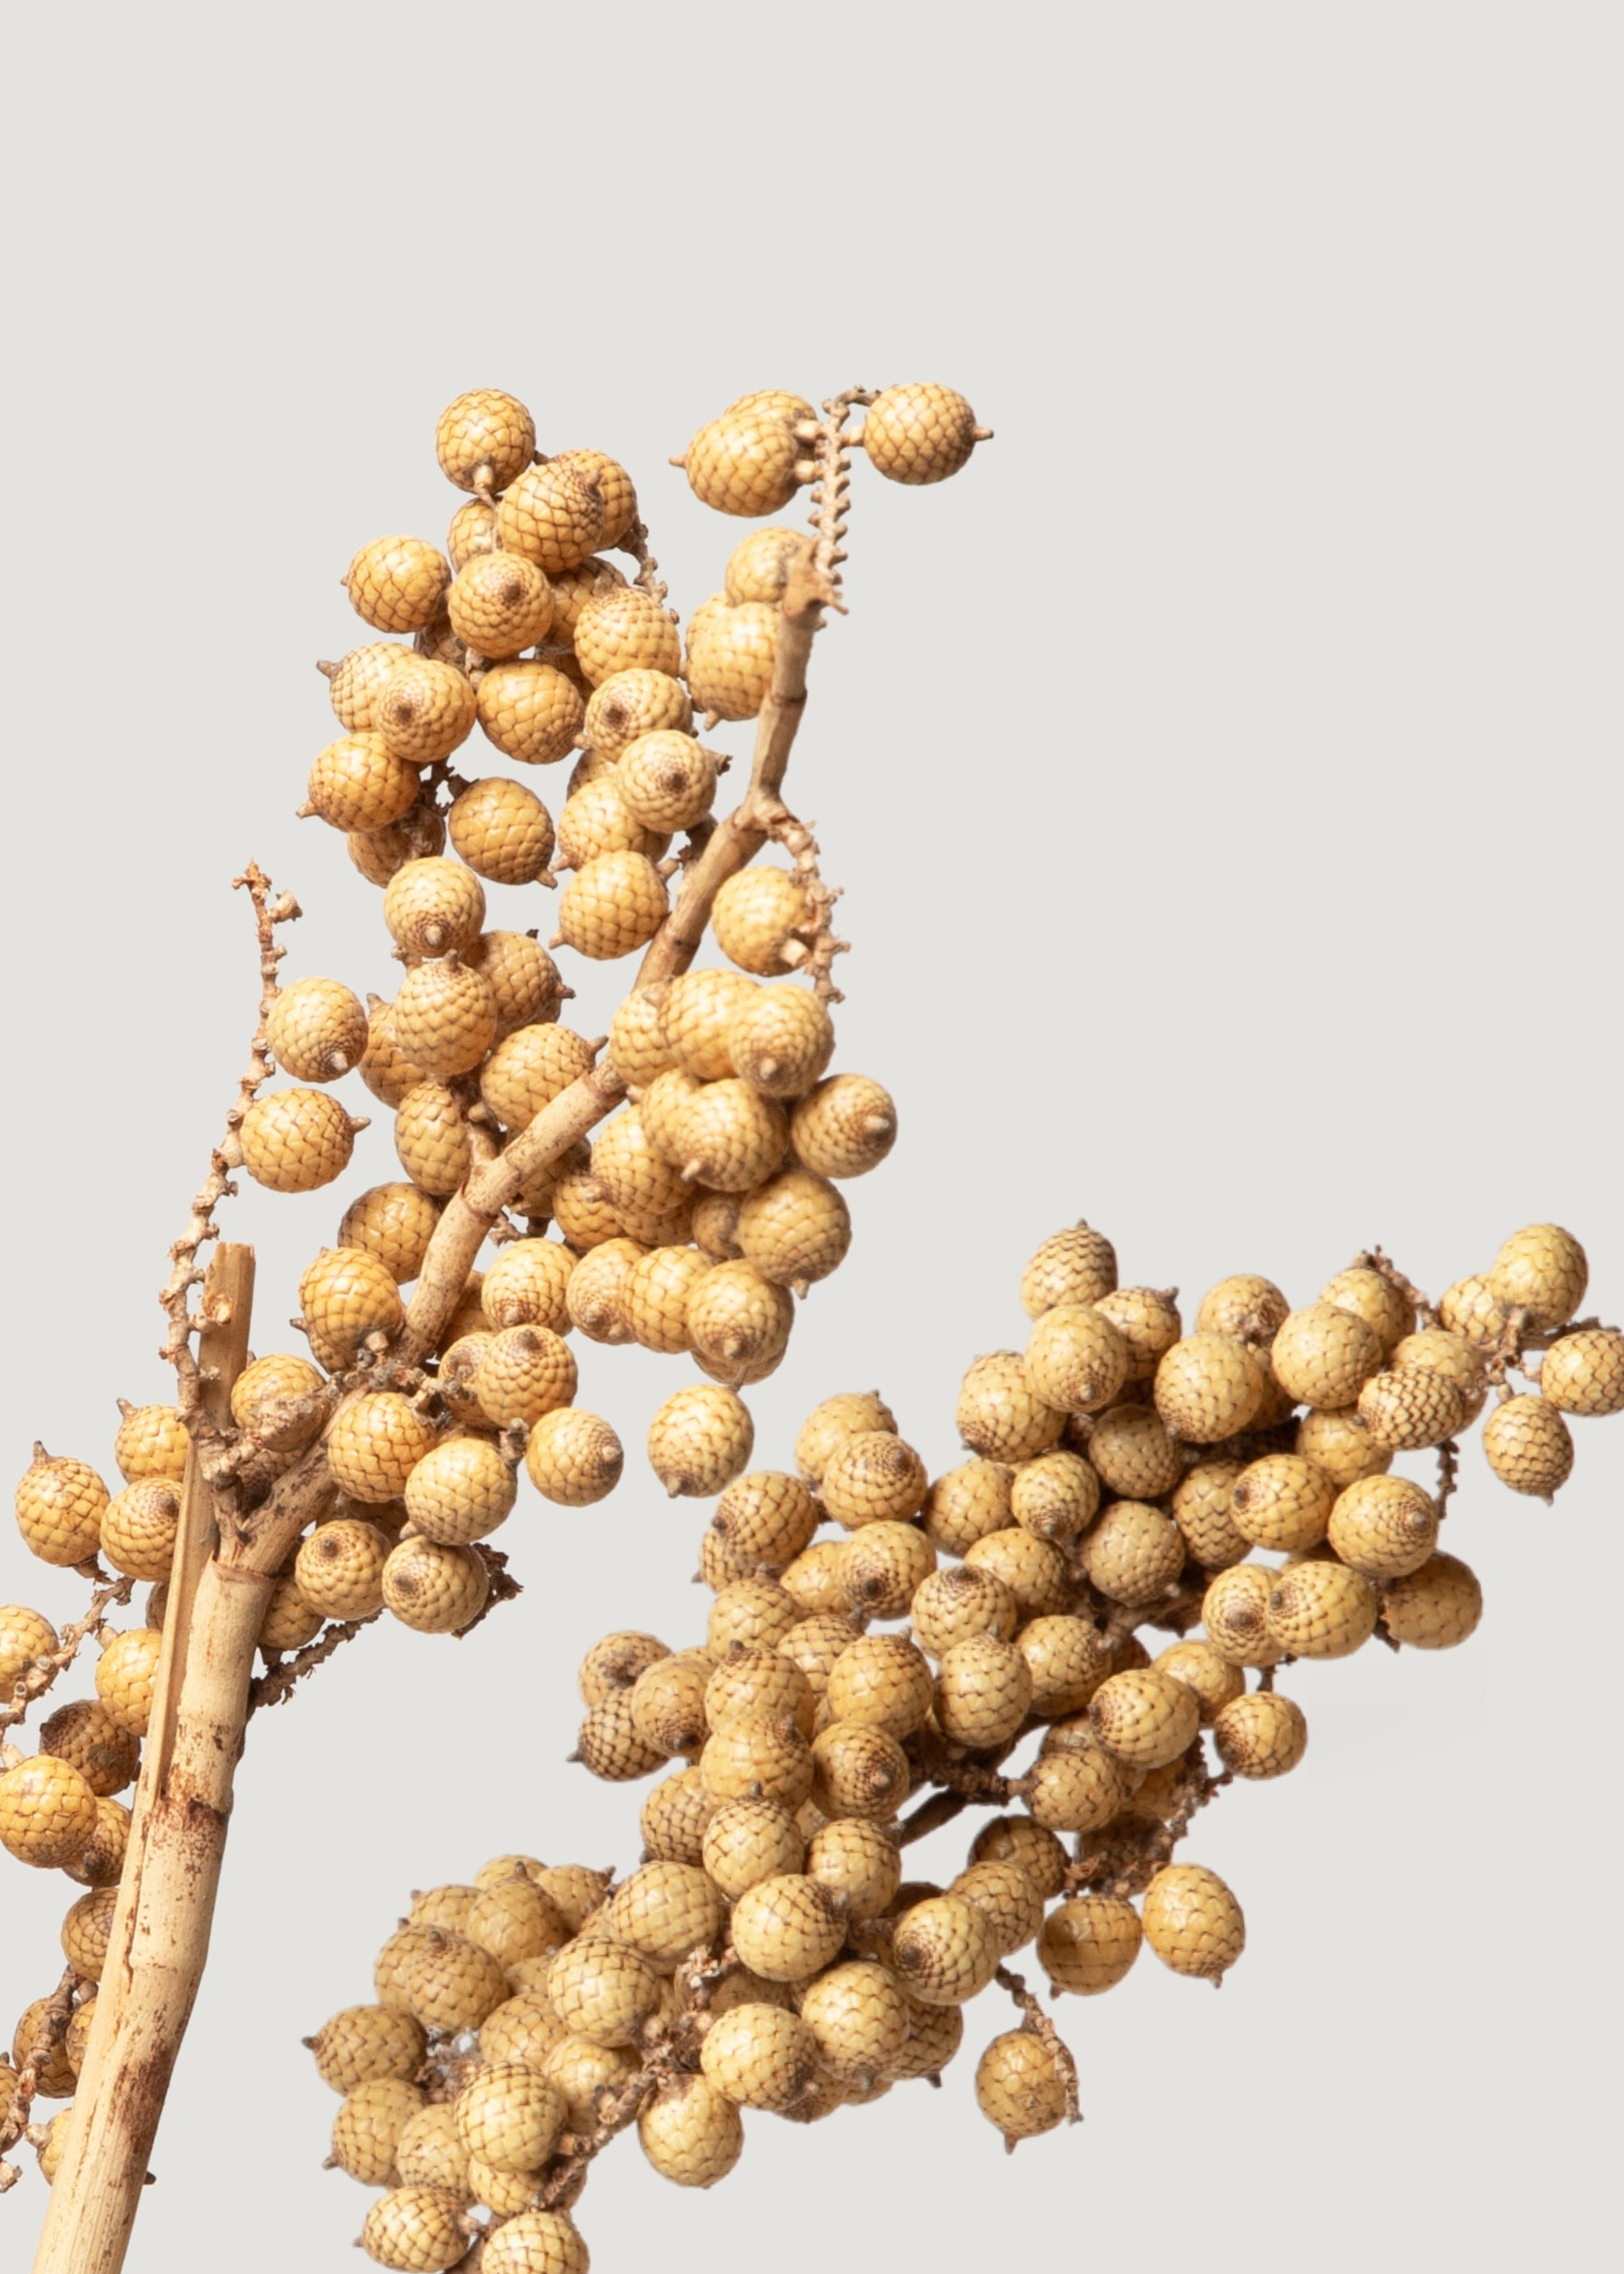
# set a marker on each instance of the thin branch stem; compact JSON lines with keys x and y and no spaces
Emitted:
{"x":39,"y":1677}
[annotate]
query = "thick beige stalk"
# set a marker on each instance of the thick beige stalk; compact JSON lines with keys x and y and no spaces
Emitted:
{"x":166,"y":1900}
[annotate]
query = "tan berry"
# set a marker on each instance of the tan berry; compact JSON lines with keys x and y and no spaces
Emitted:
{"x":1068,"y":1658}
{"x":416,"y":2230}
{"x":339,"y":1570}
{"x":1435,"y":1608}
{"x":1208,"y":1386}
{"x":398,"y":583}
{"x":858,"y":1771}
{"x":362,"y":2043}
{"x":523,"y":1372}
{"x":1079,"y":1789}
{"x":969,"y":1502}
{"x":1260,"y":1736}
{"x":633,"y":703}
{"x":944,"y":1950}
{"x":445,"y":1019}
{"x":881,"y":1682}
{"x":1540,"y":1270}
{"x":699,"y":1440}
{"x":430,"y":2154}
{"x":1000,"y":1413}
{"x":295,"y":1140}
{"x":531,"y":1067}
{"x":424,"y":710}
{"x":1075,"y":1359}
{"x":432,"y":906}
{"x":317,"y":1029}
{"x":378,"y":854}
{"x":484,"y":440}
{"x":1249,"y":1307}
{"x":140,"y":1526}
{"x":1204,"y":1669}
{"x":1410,"y":1406}
{"x":787,"y":1926}
{"x":983,"y":1691}
{"x":757,"y":916}
{"x":552,"y":515}
{"x":125,"y":1676}
{"x":1020,"y":2088}
{"x":690,"y":2132}
{"x":573,"y":1457}
{"x":355,"y":681}
{"x":1585,"y":1371}
{"x":1035,"y":1571}
{"x":530,"y":712}
{"x":1320,"y":1610}
{"x":345,"y":1296}
{"x":367,"y":2128}
{"x":47,"y":1809}
{"x":1134,"y":1554}
{"x":1323,"y":1356}
{"x":26,"y":1636}
{"x":1337,"y":1443}
{"x":780,"y":1039}
{"x":1372,"y":1296}
{"x":1384,"y":1526}
{"x":818,"y":1639}
{"x":1193,"y":1923}
{"x":614,"y":904}
{"x":1528,"y":1446}
{"x":461,"y":1490}
{"x":1088,"y":1944}
{"x":1283,"y":1501}
{"x":1076,"y":1266}
{"x":1469,"y":1308}
{"x":100,"y":1863}
{"x":502,"y":830}
{"x":499,"y":603}
{"x":727,"y":1137}
{"x":375,"y":1442}
{"x":920,"y":433}
{"x":1144,"y":1718}
{"x":844,"y":1127}
{"x":625,"y":629}
{"x":760,"y":2056}
{"x":1235,"y":1612}
{"x":748,"y":461}
{"x":738,"y":1322}
{"x":510,"y":2116}
{"x":434,"y":1587}
{"x":535,"y":2242}
{"x":1147,"y":1320}
{"x":357,"y":783}
{"x":1134,"y":1454}
{"x":749,"y":1612}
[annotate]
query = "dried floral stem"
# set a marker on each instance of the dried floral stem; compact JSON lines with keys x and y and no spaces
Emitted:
{"x":39,"y":1677}
{"x":635,"y":542}
{"x":276,"y":1687}
{"x":1374,"y":1259}
{"x":1037,"y":2022}
{"x":47,"y":2037}
{"x":176,"y":1351}
{"x":469,"y":1214}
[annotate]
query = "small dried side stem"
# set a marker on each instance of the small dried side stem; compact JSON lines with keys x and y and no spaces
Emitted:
{"x":1373,"y":1258}
{"x":270,"y":911}
{"x":276,"y":1687}
{"x":39,"y":1677}
{"x":47,"y":2035}
{"x":635,"y":542}
{"x":1037,"y":2022}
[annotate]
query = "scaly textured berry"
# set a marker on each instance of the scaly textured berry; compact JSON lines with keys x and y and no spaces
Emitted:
{"x":125,"y":1675}
{"x":1068,"y":1659}
{"x":746,"y":462}
{"x":530,"y":1068}
{"x":317,"y":1029}
{"x":1000,"y":1413}
{"x":460,"y":1491}
{"x":1469,"y":1308}
{"x":573,"y":1457}
{"x":377,"y":854}
{"x":355,"y":681}
{"x":730,"y":653}
{"x":1435,"y":1608}
{"x":1132,"y":1452}
{"x":472,"y":530}
{"x":794,"y":1229}
{"x":1323,"y":1356}
{"x":1193,"y":1923}
{"x":297,"y":1141}
{"x":101,"y":1863}
{"x":429,"y":2153}
{"x":502,"y":830}
{"x":510,"y":2116}
{"x":696,"y":1015}
{"x":86,"y":1931}
{"x":1320,"y":1610}
{"x":737,"y":1323}
{"x":625,"y":629}
{"x":944,"y":1950}
{"x":983,"y":1693}
{"x":595,"y":1296}
{"x":140,"y":1526}
{"x":616,"y":903}
{"x":433,"y":907}
{"x":1134,"y":1553}
{"x":757,"y":916}
{"x":367,"y":2128}
{"x":1035,"y":1571}
{"x":431,"y":1139}
{"x":1337,"y":1443}
{"x":873,"y":1477}
{"x":1077,"y":1265}
{"x":1410,"y":1406}
{"x":484,"y":440}
{"x":1235,"y":1612}
{"x":499,"y":603}
{"x":26,"y":1636}
{"x":1202,"y":1668}
{"x":1208,"y":1386}
{"x":759,"y":1752}
{"x":667,"y":1704}
{"x":1248,"y":1307}
{"x":666,"y":780}
{"x":858,"y":1771}
{"x":727,"y":1137}
{"x":48,"y":1811}
{"x":666,"y":1911}
{"x":416,"y":2230}
{"x":1019,"y":2087}
{"x":346,"y":1295}
{"x":1089,"y":1944}
{"x":1144,"y":1718}
{"x":357,"y":783}
{"x":766,"y":1517}
{"x":1585,"y":1371}
{"x":535,"y":2242}
{"x":339,"y":1570}
{"x":434,"y":1587}
{"x":787,"y":1927}
{"x":395,"y":1223}
{"x":523,"y":1372}
{"x":1541,"y":1270}
{"x":1384,"y":1526}
{"x":384,"y":1067}
{"x":375,"y":1442}
{"x":1012,"y":1905}
{"x":919,"y":432}
{"x":1283,"y":1501}
{"x":361,"y":2043}
{"x":760,"y":2056}
{"x":398,"y":583}
{"x":952,"y":1604}
{"x":690,"y":2132}
{"x":1372,"y":1296}
{"x":1262,"y":1734}
{"x":288,"y":1621}
{"x":1528,"y":1446}
{"x":530,"y":712}
{"x":967,"y":1503}
{"x":633,"y":702}
{"x":1075,"y":1359}
{"x":699,"y":1440}
{"x":552,"y":515}
{"x":1147,"y":1320}
{"x":424,"y":710}
{"x":881,"y":1682}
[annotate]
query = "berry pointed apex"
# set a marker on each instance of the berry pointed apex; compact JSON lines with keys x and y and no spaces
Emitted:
{"x":327,"y":670}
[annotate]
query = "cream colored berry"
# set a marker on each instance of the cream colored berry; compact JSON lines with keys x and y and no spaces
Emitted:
{"x":748,"y":461}
{"x":1068,"y":1659}
{"x":1020,"y":2085}
{"x":667,"y":1702}
{"x":616,"y":1661}
{"x":766,"y":1517}
{"x":355,"y":681}
{"x":583,"y":2073}
{"x":1585,"y":1371}
{"x":787,"y":1926}
{"x":1075,"y":1359}
{"x":738,"y":1322}
{"x":614,"y":488}
{"x":1234,"y":1611}
{"x":393,"y":1223}
{"x":523,"y":1372}
{"x":1144,"y":1718}
{"x":1203,"y":1668}
{"x":625,"y":629}
{"x":126,"y":1674}
{"x":1320,"y":1610}
{"x":140,"y":1526}
{"x":361,"y":2043}
{"x":375,"y":1442}
{"x":339,"y":1570}
{"x":919,"y":432}
{"x":690,"y":2132}
{"x":666,"y":1911}
{"x":317,"y":1029}
{"x":1540,"y":1270}
{"x":1088,"y":1944}
{"x":531,"y":1067}
{"x":1147,"y":1320}
{"x":386,"y":1069}
{"x":1337,"y":1443}
{"x":858,"y":1771}
{"x":1408,"y":1406}
{"x":844,"y":1127}
{"x":434,"y":1586}
{"x":781,"y":1039}
{"x":535,"y":2242}
{"x":884,"y":1568}
{"x":502,"y":830}
{"x":795,"y":1229}
{"x":602,"y":1990}
{"x":967,"y":1503}
{"x":666,"y":780}
{"x":1283,"y":1501}
{"x":1018,"y":1839}
{"x":461,"y":1490}
{"x":289,"y":1621}
{"x":552,"y":515}
{"x":1323,"y":1356}
{"x":445,"y":1019}
{"x":36,"y":2040}
{"x":1035,"y":1571}
{"x":1208,"y":1386}
{"x":815,"y":1578}
{"x":297,"y":1141}
{"x":657,"y":1287}
{"x":758,"y":1752}
{"x":697,"y":1013}
{"x":432,"y":1138}
{"x":951,"y":1606}
{"x":345,"y":1296}
{"x":1245,"y":1305}
{"x":1193,"y":1923}
{"x":1435,"y":1608}
{"x":1134,"y":1454}
{"x":433,"y":907}
{"x":637,"y":1044}
{"x":857,"y":1862}
{"x":757,"y":916}
{"x":499,"y":603}
{"x":367,"y":2128}
{"x":100,"y":1863}
{"x":616,"y":903}
{"x":530,"y":712}
{"x":1134,"y":1553}
{"x":430,"y":2154}
{"x":1007,"y":1896}
{"x":1076,"y":1266}
{"x":1372,"y":1296}
{"x":524,"y":2027}
{"x":943,"y":1951}
{"x":398,"y":583}
{"x":1262,"y":1734}
{"x":60,"y":1503}
{"x":816,"y":1640}
{"x":424,"y":710}
{"x":1000,"y":1413}
{"x":729,"y":1138}
{"x":852,"y":1413}
{"x":357,"y":783}
{"x":596,"y":819}
{"x":608,"y":1744}
{"x":510,"y":2116}
{"x":1528,"y":1446}
{"x":595,"y":1296}
{"x":1384,"y":1526}
{"x":47,"y":1808}
{"x":857,"y":2015}
{"x":760,"y":2056}
{"x":633,"y":703}
{"x":484,"y":440}
{"x":882,"y":1682}
{"x":416,"y":2230}
{"x":699,"y":1440}
{"x":378,"y":854}
{"x":573,"y":1457}
{"x":26,"y":1636}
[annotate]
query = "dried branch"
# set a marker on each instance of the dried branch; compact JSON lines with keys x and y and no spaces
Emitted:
{"x":200,"y":1228}
{"x":47,"y":2035}
{"x":276,"y":1687}
{"x":635,"y":542}
{"x":44,"y":1671}
{"x":1038,"y":2024}
{"x":1374,"y":1259}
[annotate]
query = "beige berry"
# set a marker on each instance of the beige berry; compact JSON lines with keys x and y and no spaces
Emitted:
{"x":1528,"y":1446}
{"x":690,"y":2132}
{"x":1435,"y":1608}
{"x":1000,"y":1413}
{"x":1076,"y":1266}
{"x":625,"y":629}
{"x":1320,"y":1610}
{"x":140,"y":1526}
{"x":535,"y":2242}
{"x":945,"y":1950}
{"x":1075,"y":1359}
{"x":26,"y":1636}
{"x":760,"y":2056}
{"x":424,"y":710}
{"x":844,"y":1127}
{"x":345,"y":1296}
{"x":317,"y":1029}
{"x":1234,"y":1611}
{"x":1132,"y":1451}
{"x":1134,"y":1553}
{"x":416,"y":2230}
{"x":1408,"y":1406}
{"x":748,"y":461}
{"x":737,"y":1323}
{"x":1035,"y":1571}
{"x":484,"y":440}
{"x":573,"y":1457}
{"x":983,"y":1691}
{"x":700,"y":1440}
{"x":509,"y":2116}
{"x":375,"y":1442}
{"x":126,"y":1674}
{"x":1540,"y":1270}
{"x":1372,"y":1296}
{"x":1384,"y":1526}
{"x":920,"y":433}
{"x":633,"y":703}
{"x":358,"y":783}
{"x":1336,"y":1442}
{"x":499,"y":603}
{"x":1144,"y":1718}
{"x":530,"y":712}
{"x":1208,"y":1386}
{"x":1249,"y":1307}
{"x":859,"y":1772}
{"x":502,"y":830}
{"x":756,"y":915}
{"x":1193,"y":1923}
{"x":1068,"y":1659}
{"x":295,"y":1140}
{"x":967,"y":1503}
{"x":378,"y":854}
{"x":1147,"y":1320}
{"x":339,"y":1570}
{"x":434,"y":1587}
{"x":461,"y":1490}
{"x":1262,"y":1734}
{"x":1585,"y":1371}
{"x":47,"y":1808}
{"x":1088,"y":1944}
{"x":552,"y":515}
{"x":445,"y":1018}
{"x":1020,"y":2086}
{"x":393,"y":1223}
{"x":433,"y":907}
{"x":1203,"y":1669}
{"x":355,"y":681}
{"x":1283,"y":1501}
{"x":614,"y":904}
{"x":530,"y":1068}
{"x":398,"y":583}
{"x":1323,"y":1356}
{"x":362,"y":2043}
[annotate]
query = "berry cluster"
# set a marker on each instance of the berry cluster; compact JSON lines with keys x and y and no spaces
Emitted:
{"x":1231,"y":1489}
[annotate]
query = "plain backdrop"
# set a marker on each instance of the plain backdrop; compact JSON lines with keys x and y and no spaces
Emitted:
{"x":1223,"y":776}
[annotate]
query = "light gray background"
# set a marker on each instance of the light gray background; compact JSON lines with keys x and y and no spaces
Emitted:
{"x":1223,"y":775}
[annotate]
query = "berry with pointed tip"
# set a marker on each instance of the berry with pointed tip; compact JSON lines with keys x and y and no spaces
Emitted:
{"x":461,"y":1490}
{"x":510,"y":2116}
{"x":673,"y":1819}
{"x":386,"y":1069}
{"x":858,"y":1771}
{"x":1282,"y":1503}
{"x":1035,"y":1571}
{"x":1000,"y":1413}
{"x":523,"y":1372}
{"x":814,"y":1578}
{"x":787,"y":1926}
{"x":317,"y":1029}
{"x":367,"y":2128}
{"x":393,"y":1223}
{"x":1245,"y":1305}
{"x":1323,"y":1356}
{"x":1088,"y":1944}
{"x":552,"y":515}
{"x":625,"y":629}
{"x":609,"y":1745}
{"x":954,"y":1604}
{"x":1235,"y":1612}
{"x":756,"y":1679}
{"x":434,"y":1586}
{"x":667,"y":1704}
{"x":499,"y":603}
{"x":416,"y":2230}
{"x":398,"y":583}
{"x":531,"y":1067}
{"x":636,"y":1043}
{"x":26,"y":1636}
{"x":851,"y":1414}
{"x":573,"y":1457}
{"x":1077,"y":1265}
{"x":1144,"y":1718}
{"x":1193,"y":1923}
{"x":1075,"y":1359}
{"x":1407,"y":1407}
{"x":1541,"y":1270}
{"x":357,"y":783}
{"x":1132,"y":1451}
{"x":289,"y":1621}
{"x":632,"y":703}
{"x":530,"y":712}
{"x":757,"y":916}
{"x":748,"y":461}
{"x":1208,"y":1386}
{"x":1583,"y":1373}
{"x":362,"y":2043}
{"x":1262,"y":1734}
{"x":86,"y":1931}
{"x":795,"y":1229}
{"x":1134,"y":1553}
{"x":140,"y":1526}
{"x":944,"y":1950}
{"x":1384,"y":1526}
{"x":1068,"y":1659}
{"x":759,"y":1753}
{"x":484,"y":440}
{"x":1320,"y":1610}
{"x":696,"y":1015}
{"x":1011,"y":1902}
{"x":1336,"y":1442}
{"x":126,"y":1674}
{"x":375,"y":1442}
{"x":101,"y":1863}
{"x":816,"y":1640}
{"x":1435,"y":1608}
{"x":874,"y":1476}
{"x":666,"y":1911}
{"x":615,"y":1661}
{"x":295,"y":1140}
{"x":432,"y":906}
{"x":355,"y":681}
{"x":502,"y":830}
{"x":731,"y":655}
{"x":345,"y":1296}
{"x":966,"y":1503}
{"x":1020,"y":2086}
{"x":596,"y":1295}
{"x":1372,"y":1296}
{"x":760,"y":2056}
{"x":691,"y":2134}
{"x":882,"y":1682}
{"x":424,"y":708}
{"x":749,"y":1611}
{"x":616,"y":903}
{"x":339,"y":1569}
{"x":1469,"y":1308}
{"x":983,"y":1693}
{"x":737,"y":1323}
{"x":47,"y":1809}
{"x":919,"y":432}
{"x":666,"y":780}
{"x":377,"y":854}
{"x":699,"y":1440}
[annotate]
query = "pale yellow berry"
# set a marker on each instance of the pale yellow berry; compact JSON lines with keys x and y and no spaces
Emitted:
{"x":362,"y":2043}
{"x":499,"y":603}
{"x":1077,"y":1265}
{"x":357,"y":783}
{"x":1283,"y":1501}
{"x":26,"y":1636}
{"x":1068,"y":1659}
{"x":983,"y":1691}
{"x":967,"y":1503}
{"x":416,"y":2230}
{"x":1208,"y":1386}
{"x":1088,"y":1944}
{"x":554,"y":514}
{"x":367,"y":2128}
{"x":100,"y":1863}
{"x":633,"y":703}
{"x":858,"y":1771}
{"x":749,"y":1612}
{"x":460,"y":1491}
{"x":1193,"y":1923}
{"x":395,"y":1223}
{"x":1323,"y":1356}
{"x":1245,"y":1305}
{"x":1144,"y":1718}
{"x":289,"y":1621}
{"x":1035,"y":1571}
{"x":690,"y":2132}
{"x":502,"y":830}
{"x":1528,"y":1446}
{"x":47,"y":1808}
{"x":531,"y":1067}
{"x":398,"y":583}
{"x":817,"y":1638}
{"x":484,"y":440}
{"x":375,"y":1442}
{"x":756,"y":915}
{"x":60,"y":1503}
{"x":530,"y":712}
{"x":1075,"y":1359}
{"x":339,"y":1570}
{"x":1320,"y":1610}
{"x":1020,"y":2086}
{"x":434,"y":1586}
{"x":1260,"y":1736}
{"x":919,"y":432}
{"x":1410,"y":1406}
{"x":666,"y":780}
{"x":355,"y":681}
{"x":1203,"y":1668}
{"x":1540,"y":1270}
{"x":140,"y":1526}
{"x":844,"y":1127}
{"x":883,"y":1568}
{"x":1384,"y":1526}
{"x":386,"y":1069}
{"x":699,"y":1440}
{"x":728,"y":1137}
{"x":317,"y":1029}
{"x":1147,"y":1320}
{"x":573,"y":1457}
{"x":1435,"y":1608}
{"x":126,"y":1674}
{"x":424,"y":710}
{"x":1469,"y":1308}
{"x":433,"y":907}
{"x":1134,"y":1553}
{"x":1585,"y":1371}
{"x":1132,"y":1452}
{"x":445,"y":1018}
{"x":625,"y":629}
{"x":596,"y":819}
{"x":1235,"y":1612}
{"x":1336,"y":1442}
{"x":788,"y":1926}
{"x":873,"y":1477}
{"x":1372,"y":1296}
{"x":666,"y":1911}
{"x":945,"y":1950}
{"x":748,"y":461}
{"x":523,"y":1372}
{"x":295,"y":1140}
{"x":535,"y":2242}
{"x":737,"y":1323}
{"x":697,"y":1013}
{"x":616,"y":903}
{"x":345,"y":1296}
{"x":510,"y":2116}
